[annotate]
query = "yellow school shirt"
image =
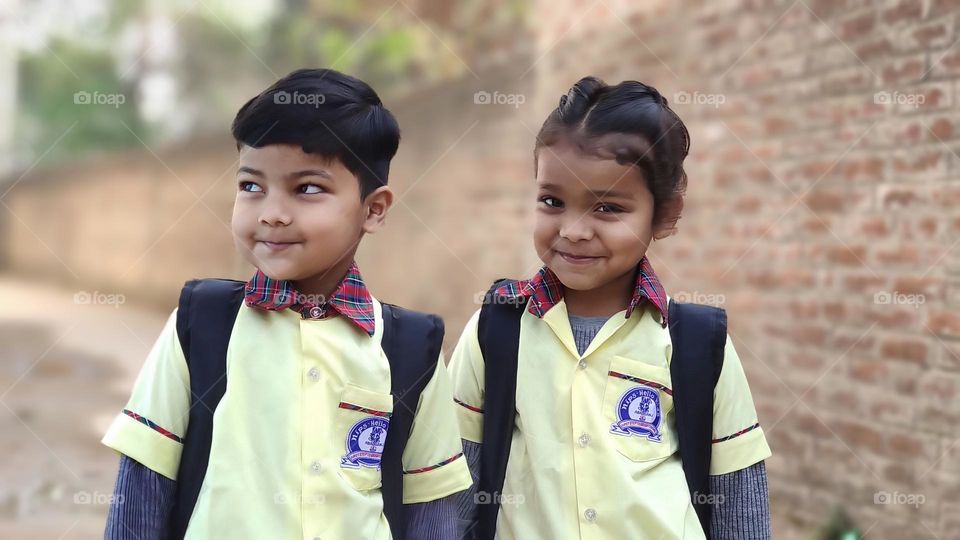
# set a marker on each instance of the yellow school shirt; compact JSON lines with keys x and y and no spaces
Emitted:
{"x":280,"y":463}
{"x":575,"y":470}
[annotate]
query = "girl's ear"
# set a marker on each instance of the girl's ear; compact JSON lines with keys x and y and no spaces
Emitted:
{"x":375,"y":208}
{"x":666,"y":225}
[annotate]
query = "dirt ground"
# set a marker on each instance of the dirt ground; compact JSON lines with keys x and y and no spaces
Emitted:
{"x":68,"y":359}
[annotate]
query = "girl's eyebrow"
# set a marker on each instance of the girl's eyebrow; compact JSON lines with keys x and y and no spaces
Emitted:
{"x":599,"y":193}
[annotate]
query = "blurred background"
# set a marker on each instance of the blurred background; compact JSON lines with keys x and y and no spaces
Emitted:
{"x":823,"y":209}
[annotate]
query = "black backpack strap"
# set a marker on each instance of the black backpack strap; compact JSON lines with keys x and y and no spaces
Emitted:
{"x":498,"y":332}
{"x":698,"y":334}
{"x":205,"y":318}
{"x":412,"y":342}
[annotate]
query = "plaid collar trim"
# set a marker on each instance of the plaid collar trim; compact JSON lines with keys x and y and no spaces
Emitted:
{"x":350,"y":299}
{"x":546,"y":291}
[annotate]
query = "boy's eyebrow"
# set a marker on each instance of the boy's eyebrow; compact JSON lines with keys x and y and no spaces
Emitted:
{"x":291,"y":176}
{"x":250,"y":170}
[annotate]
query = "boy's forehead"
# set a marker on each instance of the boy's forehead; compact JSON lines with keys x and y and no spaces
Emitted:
{"x":281,"y":158}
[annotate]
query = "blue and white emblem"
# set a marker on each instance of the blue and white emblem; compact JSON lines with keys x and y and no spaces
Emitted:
{"x":639,"y":414}
{"x":365,"y":442}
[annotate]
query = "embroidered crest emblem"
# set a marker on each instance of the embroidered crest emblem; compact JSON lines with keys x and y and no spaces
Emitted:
{"x":639,"y":414}
{"x":365,"y":442}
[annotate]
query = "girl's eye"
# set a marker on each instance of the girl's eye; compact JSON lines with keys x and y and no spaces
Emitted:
{"x":250,"y":187}
{"x":552,"y":202}
{"x":310,"y":189}
{"x":608,"y":208}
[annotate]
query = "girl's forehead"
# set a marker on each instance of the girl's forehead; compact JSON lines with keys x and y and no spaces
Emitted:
{"x":566,"y":169}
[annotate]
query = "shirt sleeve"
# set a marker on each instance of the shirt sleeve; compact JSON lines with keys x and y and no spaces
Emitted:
{"x":433,"y":463}
{"x":151,"y":427}
{"x":466,"y":368}
{"x":738,"y":439}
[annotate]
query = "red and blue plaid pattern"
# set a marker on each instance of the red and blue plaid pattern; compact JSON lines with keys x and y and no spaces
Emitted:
{"x":153,"y":425}
{"x":547,"y":291}
{"x":350,"y":299}
{"x":450,"y":459}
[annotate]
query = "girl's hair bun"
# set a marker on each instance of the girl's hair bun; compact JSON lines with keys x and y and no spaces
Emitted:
{"x":579,"y":98}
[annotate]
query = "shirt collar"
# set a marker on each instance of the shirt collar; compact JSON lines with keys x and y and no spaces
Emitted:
{"x":547,"y":291}
{"x":350,"y":299}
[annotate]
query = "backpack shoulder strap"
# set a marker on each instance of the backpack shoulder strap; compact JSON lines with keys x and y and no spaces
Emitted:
{"x":412,"y":342}
{"x":205,"y":318}
{"x":698,"y":334}
{"x":498,"y":333}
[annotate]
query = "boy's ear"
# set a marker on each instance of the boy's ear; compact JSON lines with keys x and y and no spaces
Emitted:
{"x":667,"y":224}
{"x":375,"y":208}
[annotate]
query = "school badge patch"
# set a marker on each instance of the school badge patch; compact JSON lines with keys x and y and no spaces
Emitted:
{"x":365,"y":442}
{"x":639,"y":414}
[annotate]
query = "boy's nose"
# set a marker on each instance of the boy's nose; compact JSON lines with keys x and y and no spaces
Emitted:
{"x":275,"y":215}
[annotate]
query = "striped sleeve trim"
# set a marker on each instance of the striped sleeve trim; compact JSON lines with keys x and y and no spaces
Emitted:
{"x":449,"y":460}
{"x":153,"y":425}
{"x":469,"y":407}
{"x":737,"y":434}
{"x":374,"y":412}
{"x":631,"y":378}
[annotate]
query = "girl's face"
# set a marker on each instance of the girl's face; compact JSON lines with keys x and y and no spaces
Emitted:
{"x":594,"y":218}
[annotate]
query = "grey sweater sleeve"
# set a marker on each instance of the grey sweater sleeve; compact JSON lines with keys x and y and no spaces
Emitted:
{"x":742,"y":504}
{"x":434,"y":520}
{"x":466,"y":501}
{"x":142,"y":503}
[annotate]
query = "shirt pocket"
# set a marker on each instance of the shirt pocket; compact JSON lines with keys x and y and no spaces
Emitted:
{"x":362,"y":423}
{"x":636,"y":401}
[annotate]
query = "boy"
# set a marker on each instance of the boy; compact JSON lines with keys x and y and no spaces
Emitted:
{"x":301,"y":416}
{"x":569,"y":383}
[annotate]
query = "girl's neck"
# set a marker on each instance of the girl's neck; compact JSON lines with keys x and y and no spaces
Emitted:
{"x":605,"y":300}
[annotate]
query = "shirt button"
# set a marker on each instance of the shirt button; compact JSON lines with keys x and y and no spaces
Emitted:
{"x":315,"y":466}
{"x":582,"y":364}
{"x":590,"y":514}
{"x":583,"y":440}
{"x":316,"y":312}
{"x":314,"y":374}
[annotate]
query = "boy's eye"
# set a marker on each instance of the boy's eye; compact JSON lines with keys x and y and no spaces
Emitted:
{"x":552,"y":202}
{"x":250,"y":187}
{"x":310,"y":189}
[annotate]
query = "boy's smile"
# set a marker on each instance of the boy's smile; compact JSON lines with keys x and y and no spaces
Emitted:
{"x":594,"y":222}
{"x":299,"y":216}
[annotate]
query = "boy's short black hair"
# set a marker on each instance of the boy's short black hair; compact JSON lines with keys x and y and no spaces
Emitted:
{"x":328,"y":113}
{"x":631,"y":123}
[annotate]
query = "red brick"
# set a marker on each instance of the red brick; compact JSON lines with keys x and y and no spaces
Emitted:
{"x":909,"y":350}
{"x":944,"y":323}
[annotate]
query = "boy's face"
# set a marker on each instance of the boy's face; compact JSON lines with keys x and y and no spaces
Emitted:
{"x":299,"y":216}
{"x":594,"y":218}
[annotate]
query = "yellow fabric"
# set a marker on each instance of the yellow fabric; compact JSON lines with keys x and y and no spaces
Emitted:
{"x":569,"y":476}
{"x":278,"y":465}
